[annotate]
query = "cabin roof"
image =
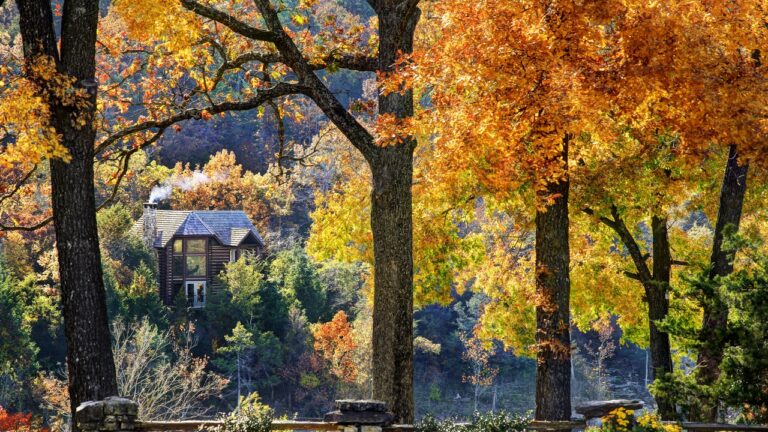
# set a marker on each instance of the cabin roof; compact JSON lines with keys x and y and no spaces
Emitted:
{"x":230,"y":227}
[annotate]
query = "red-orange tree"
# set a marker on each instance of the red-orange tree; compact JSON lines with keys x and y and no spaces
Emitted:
{"x":334,"y":341}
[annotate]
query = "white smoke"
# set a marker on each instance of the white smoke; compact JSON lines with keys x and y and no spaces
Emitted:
{"x":183,"y":182}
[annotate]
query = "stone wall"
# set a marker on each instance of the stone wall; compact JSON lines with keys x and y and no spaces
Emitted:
{"x":114,"y":414}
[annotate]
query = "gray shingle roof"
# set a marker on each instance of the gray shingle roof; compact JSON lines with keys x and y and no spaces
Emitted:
{"x":230,"y":227}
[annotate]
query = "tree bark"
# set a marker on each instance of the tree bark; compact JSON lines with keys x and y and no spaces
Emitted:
{"x":553,"y":289}
{"x":715,"y":318}
{"x":90,"y":365}
{"x":392,"y":226}
{"x":656,"y":293}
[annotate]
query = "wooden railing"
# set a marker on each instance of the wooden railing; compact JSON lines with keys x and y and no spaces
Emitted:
{"x":712,"y":427}
{"x":121,"y":415}
{"x":194,"y":425}
{"x":293,"y":425}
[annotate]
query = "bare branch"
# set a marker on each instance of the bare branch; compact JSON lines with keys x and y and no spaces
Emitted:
{"x":262,"y":97}
{"x":18,"y":184}
{"x":125,"y":165}
{"x":34,"y":227}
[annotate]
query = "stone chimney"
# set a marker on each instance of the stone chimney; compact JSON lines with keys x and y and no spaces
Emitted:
{"x":150,"y":223}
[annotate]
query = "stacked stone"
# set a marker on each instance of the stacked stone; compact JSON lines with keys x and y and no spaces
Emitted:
{"x":360,"y":415}
{"x":113,"y":414}
{"x":596,"y":409}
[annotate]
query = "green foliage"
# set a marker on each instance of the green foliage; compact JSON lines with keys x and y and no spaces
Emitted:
{"x":343,"y":282}
{"x":240,"y":340}
{"x":498,"y":422}
{"x":18,"y":352}
{"x":431,"y":424}
{"x":248,"y":297}
{"x":744,"y":369}
{"x":251,"y":416}
{"x":298,"y":280}
{"x":481,"y":422}
{"x":137,"y":301}
{"x":244,"y":280}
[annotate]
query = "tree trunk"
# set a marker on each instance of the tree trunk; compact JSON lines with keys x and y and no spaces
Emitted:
{"x":392,"y":226}
{"x":715,"y":311}
{"x":553,"y":338}
{"x":90,"y":365}
{"x":656,"y":293}
{"x":656,"y":283}
{"x":393,"y":293}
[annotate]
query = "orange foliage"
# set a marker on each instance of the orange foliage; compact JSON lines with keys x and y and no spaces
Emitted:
{"x":508,"y":80}
{"x":19,"y":422}
{"x":228,"y":186}
{"x":645,"y":88}
{"x":335,"y":343}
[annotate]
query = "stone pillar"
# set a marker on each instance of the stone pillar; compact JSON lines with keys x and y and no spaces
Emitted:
{"x":360,"y":415}
{"x":113,"y":414}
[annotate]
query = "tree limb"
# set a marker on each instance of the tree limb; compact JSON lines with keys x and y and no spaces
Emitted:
{"x":125,"y":165}
{"x":229,"y":21}
{"x":18,"y":184}
{"x":34,"y":227}
{"x":619,"y":227}
{"x":262,"y":97}
{"x":316,"y":89}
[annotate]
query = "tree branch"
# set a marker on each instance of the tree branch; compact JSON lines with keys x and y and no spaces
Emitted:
{"x":262,"y":97}
{"x":619,"y":227}
{"x":34,"y":227}
{"x":317,"y":91}
{"x":291,"y":56}
{"x":229,"y":21}
{"x":18,"y":184}
{"x":125,"y":166}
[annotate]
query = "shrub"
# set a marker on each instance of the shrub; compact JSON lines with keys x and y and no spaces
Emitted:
{"x":250,"y":416}
{"x":480,"y":422}
{"x":623,"y":420}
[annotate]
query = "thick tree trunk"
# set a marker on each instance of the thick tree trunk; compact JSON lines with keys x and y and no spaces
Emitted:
{"x":715,"y":311}
{"x":656,"y":293}
{"x":90,"y":365}
{"x":391,"y":223}
{"x":553,"y":289}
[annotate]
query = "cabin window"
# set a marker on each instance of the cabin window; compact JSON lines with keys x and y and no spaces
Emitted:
{"x":189,"y":258}
{"x":232,"y":255}
{"x":195,"y":246}
{"x":196,"y":294}
{"x":195,"y":265}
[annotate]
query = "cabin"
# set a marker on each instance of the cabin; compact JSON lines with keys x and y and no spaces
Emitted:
{"x":193,"y":246}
